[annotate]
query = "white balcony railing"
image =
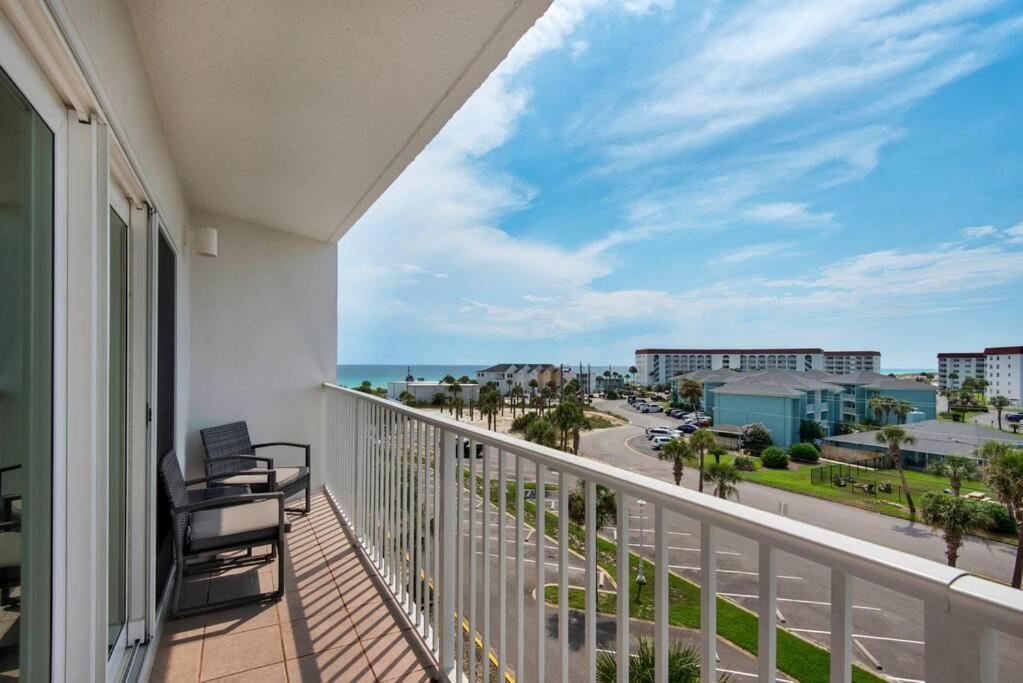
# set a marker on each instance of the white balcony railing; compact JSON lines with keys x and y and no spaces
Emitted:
{"x":400,"y":479}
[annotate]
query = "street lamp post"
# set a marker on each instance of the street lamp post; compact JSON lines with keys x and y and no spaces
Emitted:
{"x":640,"y":577}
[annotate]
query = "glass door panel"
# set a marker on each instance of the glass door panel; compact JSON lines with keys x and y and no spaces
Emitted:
{"x":117,"y":432}
{"x":26,"y":386}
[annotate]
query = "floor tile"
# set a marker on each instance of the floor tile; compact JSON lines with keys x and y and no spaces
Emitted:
{"x":342,"y":664}
{"x":275,"y":673}
{"x":310,"y":602}
{"x":376,"y":619}
{"x":238,"y":652}
{"x":240,"y":619}
{"x":393,"y":656}
{"x":177,"y":662}
{"x":327,"y":630}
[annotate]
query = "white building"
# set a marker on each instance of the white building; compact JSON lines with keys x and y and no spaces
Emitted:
{"x":845,"y":362}
{"x":424,"y":392}
{"x":658,"y":366}
{"x":953,"y":368}
{"x":1003,"y":366}
{"x":509,"y":375}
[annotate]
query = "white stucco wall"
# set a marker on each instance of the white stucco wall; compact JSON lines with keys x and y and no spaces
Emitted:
{"x":263,"y":334}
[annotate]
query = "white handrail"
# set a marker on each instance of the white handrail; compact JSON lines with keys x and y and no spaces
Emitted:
{"x":915,"y":576}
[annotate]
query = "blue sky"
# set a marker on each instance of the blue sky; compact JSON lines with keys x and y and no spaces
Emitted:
{"x":656,"y":173}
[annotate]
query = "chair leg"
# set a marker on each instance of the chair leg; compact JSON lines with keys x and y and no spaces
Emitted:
{"x":178,"y":580}
{"x":308,"y":493}
{"x":279,"y":593}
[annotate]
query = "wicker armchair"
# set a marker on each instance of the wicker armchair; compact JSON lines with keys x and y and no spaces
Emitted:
{"x":208,"y":524}
{"x":229,"y":450}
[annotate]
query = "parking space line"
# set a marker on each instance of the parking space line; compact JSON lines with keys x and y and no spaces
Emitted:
{"x":734,"y":571}
{"x":675,"y":547}
{"x":805,"y":602}
{"x":649,"y":531}
{"x":732,"y":672}
{"x":861,"y":635}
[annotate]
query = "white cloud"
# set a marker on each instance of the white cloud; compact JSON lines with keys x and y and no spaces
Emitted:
{"x":1015,"y":234}
{"x":978,"y":231}
{"x":579,"y":48}
{"x":750,"y":253}
{"x":788,"y":212}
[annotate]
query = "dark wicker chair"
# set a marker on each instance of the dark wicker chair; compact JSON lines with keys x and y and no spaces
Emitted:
{"x":207,"y":524}
{"x":229,"y":450}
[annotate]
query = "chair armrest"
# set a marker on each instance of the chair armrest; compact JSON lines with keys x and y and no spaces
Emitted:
{"x":304,"y":446}
{"x":211,"y":478}
{"x":242,"y":456}
{"x":226,"y":501}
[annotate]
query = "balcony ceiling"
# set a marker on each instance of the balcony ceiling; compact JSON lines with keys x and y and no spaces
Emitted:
{"x":299,"y":115}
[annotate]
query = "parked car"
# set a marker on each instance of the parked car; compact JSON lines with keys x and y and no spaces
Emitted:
{"x":687,"y":428}
{"x":639,"y":405}
{"x":651,"y":432}
{"x":659,"y":441}
{"x":1014,"y":417}
{"x":653,"y":409}
{"x":676,"y":412}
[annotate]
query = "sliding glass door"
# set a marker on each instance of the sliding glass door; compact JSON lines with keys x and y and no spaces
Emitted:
{"x":117,"y":435}
{"x":26,"y":386}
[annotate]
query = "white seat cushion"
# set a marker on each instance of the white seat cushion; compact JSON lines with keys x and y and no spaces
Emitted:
{"x":258,"y":475}
{"x":234,"y":519}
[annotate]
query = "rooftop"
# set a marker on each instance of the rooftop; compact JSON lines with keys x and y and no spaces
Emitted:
{"x":938,"y":437}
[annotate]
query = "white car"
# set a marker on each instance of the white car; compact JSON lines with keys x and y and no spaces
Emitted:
{"x":651,"y":432}
{"x":659,"y":441}
{"x":653,"y":409}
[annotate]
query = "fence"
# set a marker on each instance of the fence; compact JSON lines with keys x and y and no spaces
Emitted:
{"x":404,"y":488}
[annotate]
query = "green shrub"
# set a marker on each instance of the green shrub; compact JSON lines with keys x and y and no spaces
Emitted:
{"x":774,"y":458}
{"x":744,"y":463}
{"x":756,"y":436}
{"x":1002,"y":521}
{"x":522,"y":422}
{"x":806,"y":452}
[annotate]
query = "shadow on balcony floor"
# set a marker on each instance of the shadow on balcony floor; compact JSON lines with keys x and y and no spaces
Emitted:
{"x":336,"y":622}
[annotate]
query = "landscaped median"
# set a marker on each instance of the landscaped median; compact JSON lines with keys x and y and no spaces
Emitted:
{"x":799,"y":658}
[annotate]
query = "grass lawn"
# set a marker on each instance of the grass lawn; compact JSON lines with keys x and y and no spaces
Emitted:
{"x":798,"y":480}
{"x":798,"y":658}
{"x":967,"y":415}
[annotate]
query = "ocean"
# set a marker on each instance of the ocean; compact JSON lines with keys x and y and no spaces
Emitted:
{"x":380,"y":375}
{"x":907,"y":371}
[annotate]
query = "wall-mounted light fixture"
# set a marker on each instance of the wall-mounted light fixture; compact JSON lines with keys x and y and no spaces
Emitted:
{"x":206,"y":241}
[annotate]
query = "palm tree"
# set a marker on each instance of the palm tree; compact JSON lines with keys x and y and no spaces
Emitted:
{"x":894,"y":438}
{"x":956,"y":468}
{"x":701,"y":441}
{"x":533,"y":384}
{"x":455,"y":388}
{"x":448,"y":379}
{"x":605,"y":505}
{"x":1000,"y":403}
{"x":876,"y":406}
{"x":683,"y":664}
{"x":633,"y":371}
{"x":542,"y":431}
{"x":458,"y":404}
{"x":901,"y":410}
{"x":724,"y":476}
{"x":958,"y":517}
{"x":692,"y":391}
{"x":439,"y":399}
{"x":1004,"y":474}
{"x":679,"y":452}
{"x":509,"y":383}
{"x":407,"y":398}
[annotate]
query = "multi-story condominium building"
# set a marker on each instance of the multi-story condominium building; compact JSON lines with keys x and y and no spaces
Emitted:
{"x":842,"y":362}
{"x":953,"y":368}
{"x":1003,"y":366}
{"x":658,"y":366}
{"x":999,"y":366}
{"x":508,"y":375}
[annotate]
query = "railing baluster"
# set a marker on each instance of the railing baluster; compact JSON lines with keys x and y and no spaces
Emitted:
{"x":392,"y":500}
{"x":662,"y":610}
{"x":767,"y":606}
{"x":485,"y":527}
{"x":520,"y":575}
{"x":541,"y":575}
{"x":473,"y":549}
{"x":416,"y":530}
{"x":563,"y":572}
{"x":592,"y":584}
{"x":401,"y":509}
{"x":624,"y":577}
{"x":502,"y":569}
{"x":841,"y":627}
{"x":448,"y":536}
{"x":708,"y":602}
{"x":435,"y":610}
{"x":460,"y":563}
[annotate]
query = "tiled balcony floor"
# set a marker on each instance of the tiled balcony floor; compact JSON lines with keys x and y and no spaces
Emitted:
{"x":334,"y":623}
